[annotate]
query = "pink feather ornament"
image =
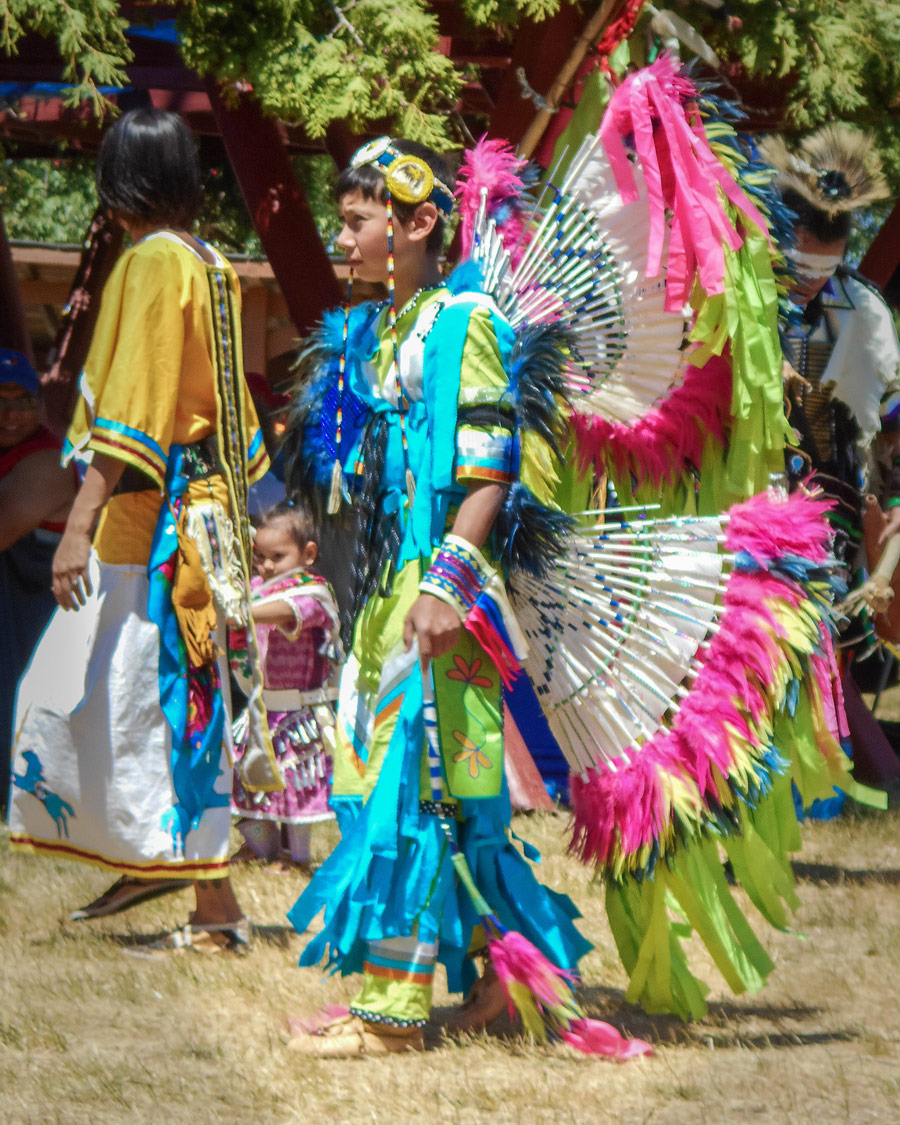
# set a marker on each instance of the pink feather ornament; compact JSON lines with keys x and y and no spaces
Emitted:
{"x":492,"y":167}
{"x":542,"y":994}
{"x":594,"y":1037}
{"x":769,"y":531}
{"x":722,"y":729}
{"x":656,"y":448}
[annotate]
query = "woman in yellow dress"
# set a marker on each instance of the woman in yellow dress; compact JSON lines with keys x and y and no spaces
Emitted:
{"x":121,"y":751}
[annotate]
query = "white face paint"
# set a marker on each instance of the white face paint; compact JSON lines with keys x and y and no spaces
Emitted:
{"x":814,"y":266}
{"x":815,"y":262}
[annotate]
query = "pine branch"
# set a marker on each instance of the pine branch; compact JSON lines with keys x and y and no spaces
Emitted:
{"x":90,"y":35}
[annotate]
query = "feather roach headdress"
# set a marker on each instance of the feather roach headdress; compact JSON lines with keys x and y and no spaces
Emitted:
{"x":836,"y":169}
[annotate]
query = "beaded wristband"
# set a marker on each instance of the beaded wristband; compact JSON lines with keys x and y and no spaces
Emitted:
{"x":458,"y":575}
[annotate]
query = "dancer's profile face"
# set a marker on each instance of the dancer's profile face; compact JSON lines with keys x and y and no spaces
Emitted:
{"x":276,"y":551}
{"x":364,"y":238}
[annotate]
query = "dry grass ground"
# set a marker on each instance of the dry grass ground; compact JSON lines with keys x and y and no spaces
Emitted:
{"x":88,"y":1035}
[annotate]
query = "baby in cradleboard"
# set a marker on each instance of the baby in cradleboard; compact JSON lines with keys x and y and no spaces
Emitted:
{"x":296,"y":621}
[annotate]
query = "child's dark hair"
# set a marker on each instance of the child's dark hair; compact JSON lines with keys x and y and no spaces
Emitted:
{"x":297,"y":517}
{"x":821,"y":225}
{"x":148,"y":169}
{"x":368,"y":180}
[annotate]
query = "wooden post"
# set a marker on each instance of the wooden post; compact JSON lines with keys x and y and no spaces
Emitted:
{"x":254,"y":318}
{"x":882,"y":260}
{"x":278,"y":208}
{"x":13,"y":325}
{"x":341,"y":143}
{"x":566,"y":76}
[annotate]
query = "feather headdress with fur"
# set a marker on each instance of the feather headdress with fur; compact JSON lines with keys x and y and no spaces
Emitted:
{"x":835,"y":169}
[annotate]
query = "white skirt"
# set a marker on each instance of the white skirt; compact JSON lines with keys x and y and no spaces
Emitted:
{"x":92,"y":777}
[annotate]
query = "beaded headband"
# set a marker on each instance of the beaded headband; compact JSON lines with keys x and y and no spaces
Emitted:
{"x":408,"y":177}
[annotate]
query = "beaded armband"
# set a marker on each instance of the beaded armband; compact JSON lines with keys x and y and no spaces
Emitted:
{"x":457,"y":576}
{"x":462,"y":577}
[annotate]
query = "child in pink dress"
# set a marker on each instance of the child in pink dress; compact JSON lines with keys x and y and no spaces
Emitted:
{"x":296,"y":622}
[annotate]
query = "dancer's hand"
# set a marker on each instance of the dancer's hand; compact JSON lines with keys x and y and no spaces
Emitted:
{"x":71,"y":582}
{"x":891,"y":527}
{"x":435,"y":624}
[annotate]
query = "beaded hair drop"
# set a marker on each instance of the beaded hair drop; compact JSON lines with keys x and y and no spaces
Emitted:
{"x":337,"y":474}
{"x":402,"y":403}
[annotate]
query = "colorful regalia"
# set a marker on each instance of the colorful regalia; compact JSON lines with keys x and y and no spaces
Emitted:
{"x":297,"y":662}
{"x":122,"y":725}
{"x":679,"y":638}
{"x":681,"y":650}
{"x":392,"y":902}
{"x":686,"y":664}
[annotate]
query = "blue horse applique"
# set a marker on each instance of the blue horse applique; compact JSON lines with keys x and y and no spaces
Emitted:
{"x":32,"y":781}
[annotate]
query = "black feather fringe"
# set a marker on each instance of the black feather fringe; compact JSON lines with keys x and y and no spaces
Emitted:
{"x":528,"y":536}
{"x":537,"y":388}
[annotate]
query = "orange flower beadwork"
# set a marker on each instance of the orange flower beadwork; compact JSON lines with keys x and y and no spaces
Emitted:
{"x":471,"y":754}
{"x":468,"y":673}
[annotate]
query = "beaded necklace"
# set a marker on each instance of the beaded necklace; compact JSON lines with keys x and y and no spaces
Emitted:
{"x":334,"y":496}
{"x":402,"y":401}
{"x":337,"y":474}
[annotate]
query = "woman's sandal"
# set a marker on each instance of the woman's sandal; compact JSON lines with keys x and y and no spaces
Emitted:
{"x":206,"y":938}
{"x":127,"y":892}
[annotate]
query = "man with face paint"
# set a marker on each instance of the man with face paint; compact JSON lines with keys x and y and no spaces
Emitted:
{"x":843,"y":378}
{"x":843,"y":389}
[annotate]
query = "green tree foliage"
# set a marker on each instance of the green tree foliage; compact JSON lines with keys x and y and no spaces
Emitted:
{"x":831,"y":60}
{"x":376,"y":65}
{"x":52,"y":200}
{"x":47,"y":200}
{"x":506,"y":14}
{"x":312,"y":63}
{"x":371,"y":63}
{"x":90,"y":35}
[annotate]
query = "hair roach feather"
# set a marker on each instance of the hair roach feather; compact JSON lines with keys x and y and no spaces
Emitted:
{"x":836,"y":169}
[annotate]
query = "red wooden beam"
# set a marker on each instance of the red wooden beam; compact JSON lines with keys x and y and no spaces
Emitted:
{"x":279,"y":209}
{"x":341,"y":143}
{"x":882,"y":259}
{"x":540,"y":50}
{"x":13,"y":325}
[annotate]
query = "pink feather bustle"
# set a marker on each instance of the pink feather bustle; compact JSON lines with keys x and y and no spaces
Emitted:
{"x":622,"y":815}
{"x":658,"y":447}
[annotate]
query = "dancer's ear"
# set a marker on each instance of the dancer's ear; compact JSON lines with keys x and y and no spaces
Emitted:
{"x":422,"y":222}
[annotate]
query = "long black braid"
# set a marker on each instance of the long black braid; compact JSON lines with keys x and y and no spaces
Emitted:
{"x":377,"y":534}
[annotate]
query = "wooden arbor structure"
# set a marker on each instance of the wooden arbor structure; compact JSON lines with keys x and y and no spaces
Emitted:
{"x":551,"y":55}
{"x":259,"y":149}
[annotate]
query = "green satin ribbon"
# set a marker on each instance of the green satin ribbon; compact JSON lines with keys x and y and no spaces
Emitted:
{"x":650,"y":942}
{"x":745,"y":318}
